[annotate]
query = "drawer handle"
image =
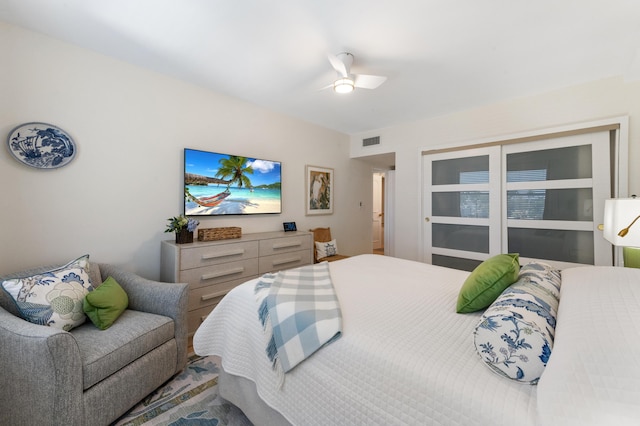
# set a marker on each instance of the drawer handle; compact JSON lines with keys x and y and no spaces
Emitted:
{"x":204,"y":317}
{"x":289,"y":260}
{"x":210,"y":256}
{"x":206,"y":297}
{"x":286,"y":245}
{"x":237,"y":270}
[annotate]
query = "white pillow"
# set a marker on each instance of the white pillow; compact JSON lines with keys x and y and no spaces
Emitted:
{"x":53,"y":298}
{"x":330,"y":248}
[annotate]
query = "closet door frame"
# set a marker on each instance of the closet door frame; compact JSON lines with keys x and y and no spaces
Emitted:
{"x":619,"y":149}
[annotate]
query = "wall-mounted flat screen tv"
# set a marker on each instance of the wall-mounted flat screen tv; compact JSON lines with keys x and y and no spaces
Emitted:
{"x":222,"y":184}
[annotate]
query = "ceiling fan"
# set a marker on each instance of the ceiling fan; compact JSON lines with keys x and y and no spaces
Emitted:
{"x":347,"y":82}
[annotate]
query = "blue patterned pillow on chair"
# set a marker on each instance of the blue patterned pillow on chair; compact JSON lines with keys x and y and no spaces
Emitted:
{"x":53,"y":298}
{"x":515,"y":334}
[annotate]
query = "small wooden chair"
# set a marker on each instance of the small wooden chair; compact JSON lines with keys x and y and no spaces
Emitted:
{"x":323,"y":235}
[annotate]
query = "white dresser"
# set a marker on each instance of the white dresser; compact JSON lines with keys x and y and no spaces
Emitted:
{"x":213,"y":268}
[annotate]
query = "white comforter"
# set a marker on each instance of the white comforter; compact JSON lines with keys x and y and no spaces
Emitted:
{"x":405,"y":356}
{"x":593,"y":375}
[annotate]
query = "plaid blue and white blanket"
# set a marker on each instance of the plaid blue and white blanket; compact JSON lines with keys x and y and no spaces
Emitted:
{"x":300,"y":313}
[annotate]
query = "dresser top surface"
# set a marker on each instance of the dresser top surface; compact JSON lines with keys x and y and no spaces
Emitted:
{"x":255,"y":236}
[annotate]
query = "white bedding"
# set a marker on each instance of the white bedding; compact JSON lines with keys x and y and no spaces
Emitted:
{"x":593,"y":375}
{"x":405,"y":356}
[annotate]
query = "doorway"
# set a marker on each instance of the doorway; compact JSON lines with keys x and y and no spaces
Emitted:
{"x":377,"y":218}
{"x":383,"y":180}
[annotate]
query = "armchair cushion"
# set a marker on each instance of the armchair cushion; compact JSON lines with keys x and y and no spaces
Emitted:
{"x":133,"y":335}
{"x":157,"y":298}
{"x":54,"y":297}
{"x":106,"y":303}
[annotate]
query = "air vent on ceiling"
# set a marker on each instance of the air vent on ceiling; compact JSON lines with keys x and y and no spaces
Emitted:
{"x":371,"y":141}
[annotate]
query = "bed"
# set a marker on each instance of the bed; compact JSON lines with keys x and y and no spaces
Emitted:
{"x":406,"y":357}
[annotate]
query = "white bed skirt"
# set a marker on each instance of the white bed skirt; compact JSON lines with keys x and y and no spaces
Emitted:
{"x":242,"y":393}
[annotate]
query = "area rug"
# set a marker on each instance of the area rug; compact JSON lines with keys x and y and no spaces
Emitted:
{"x":190,"y":398}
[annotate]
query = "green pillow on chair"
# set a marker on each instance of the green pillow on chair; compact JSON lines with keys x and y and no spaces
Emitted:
{"x":487,"y":282}
{"x":105,"y":304}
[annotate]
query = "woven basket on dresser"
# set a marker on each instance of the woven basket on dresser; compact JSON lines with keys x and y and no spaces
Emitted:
{"x":213,"y":234}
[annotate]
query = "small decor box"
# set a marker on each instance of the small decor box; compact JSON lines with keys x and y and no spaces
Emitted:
{"x":213,"y":234}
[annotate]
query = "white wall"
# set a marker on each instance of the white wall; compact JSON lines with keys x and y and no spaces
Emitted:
{"x":131,"y":126}
{"x":586,"y":102}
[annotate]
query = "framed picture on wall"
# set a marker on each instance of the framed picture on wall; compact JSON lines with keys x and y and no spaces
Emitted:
{"x":319,"y":190}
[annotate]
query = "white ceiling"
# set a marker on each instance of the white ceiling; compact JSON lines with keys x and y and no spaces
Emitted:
{"x":440,"y":56}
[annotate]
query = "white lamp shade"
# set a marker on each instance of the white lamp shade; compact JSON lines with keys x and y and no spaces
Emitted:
{"x":619,"y":213}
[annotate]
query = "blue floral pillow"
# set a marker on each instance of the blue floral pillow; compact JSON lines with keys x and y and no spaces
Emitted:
{"x":53,"y":298}
{"x":515,"y":334}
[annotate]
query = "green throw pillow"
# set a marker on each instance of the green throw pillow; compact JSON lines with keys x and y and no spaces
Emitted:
{"x":487,"y":282}
{"x":105,"y":304}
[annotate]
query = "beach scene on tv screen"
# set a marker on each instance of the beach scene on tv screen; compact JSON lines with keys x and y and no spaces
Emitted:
{"x":218,"y":184}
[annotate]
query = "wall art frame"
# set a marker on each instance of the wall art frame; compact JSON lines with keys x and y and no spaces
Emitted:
{"x":319,"y":189}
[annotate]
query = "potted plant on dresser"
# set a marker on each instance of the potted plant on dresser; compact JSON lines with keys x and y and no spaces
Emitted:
{"x":183,"y":227}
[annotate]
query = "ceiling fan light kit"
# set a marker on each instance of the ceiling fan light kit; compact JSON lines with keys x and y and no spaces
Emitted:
{"x":346,"y":82}
{"x":343,"y":85}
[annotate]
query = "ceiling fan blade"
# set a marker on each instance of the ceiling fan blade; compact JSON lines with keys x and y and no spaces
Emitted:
{"x":338,"y":65}
{"x":364,"y":81}
{"x":329,"y":86}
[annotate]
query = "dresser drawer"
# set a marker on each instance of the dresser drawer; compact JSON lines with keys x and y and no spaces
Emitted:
{"x":197,"y":316}
{"x":196,"y":257}
{"x":279,"y":262}
{"x":209,"y":275}
{"x":211,"y":294}
{"x":285,"y":244}
{"x":213,"y":268}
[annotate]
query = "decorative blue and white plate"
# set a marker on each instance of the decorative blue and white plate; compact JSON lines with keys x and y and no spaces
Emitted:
{"x":41,"y":145}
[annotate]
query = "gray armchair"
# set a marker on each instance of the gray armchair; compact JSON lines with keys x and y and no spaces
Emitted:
{"x":88,"y":376}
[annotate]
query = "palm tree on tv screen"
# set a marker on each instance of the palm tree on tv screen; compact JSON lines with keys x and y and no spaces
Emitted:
{"x":235,"y":170}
